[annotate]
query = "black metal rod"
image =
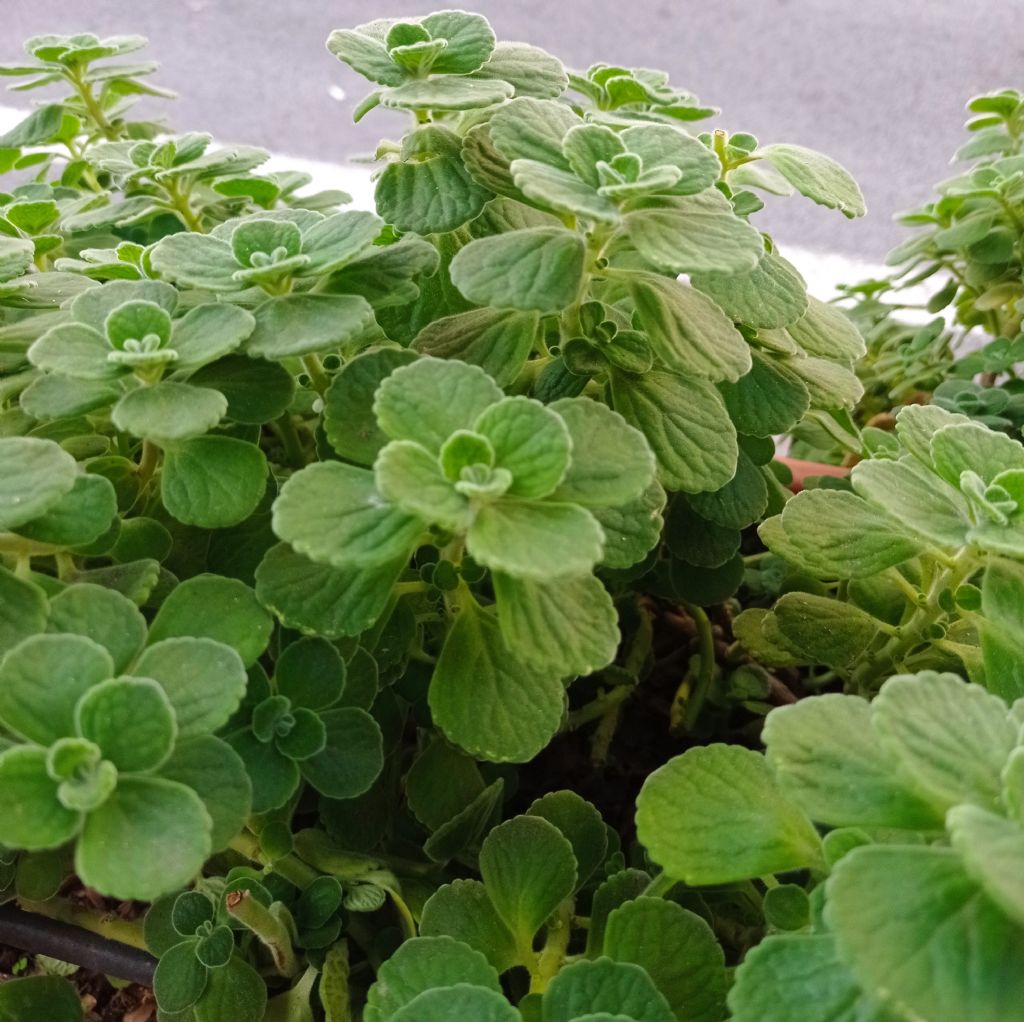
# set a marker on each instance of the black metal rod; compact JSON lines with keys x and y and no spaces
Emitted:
{"x":38,"y":935}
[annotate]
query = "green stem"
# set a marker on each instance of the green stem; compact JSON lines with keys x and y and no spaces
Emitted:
{"x":113,"y":928}
{"x":706,"y":676}
{"x":546,"y":965}
{"x":660,"y":886}
{"x":320,"y":380}
{"x":92,"y":105}
{"x":148,"y":463}
{"x":183,"y":207}
{"x":270,"y":929}
{"x":284,"y":429}
{"x":598,"y":707}
{"x":291,"y":867}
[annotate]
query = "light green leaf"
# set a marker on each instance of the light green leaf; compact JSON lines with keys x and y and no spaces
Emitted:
{"x":16,"y":256}
{"x":532,"y":71}
{"x":800,"y":979}
{"x":538,"y":268}
{"x":952,"y":737}
{"x":446,"y":93}
{"x":209,"y":332}
{"x":568,"y":627}
{"x":321,"y":600}
{"x":825,"y":331}
{"x":660,"y":145}
{"x":829,"y":384}
{"x":149,"y":838}
{"x":603,"y":987}
{"x":716,"y":815}
{"x":911,"y":494}
{"x":131,"y":720}
{"x":410,"y":477}
{"x":677,"y":949}
{"x":203,"y":679}
{"x":196,"y":260}
{"x":213,"y":481}
{"x":993,"y":852}
{"x":302,"y":324}
{"x":740,"y":502}
{"x":425,"y":963}
{"x":530,"y":441}
{"x":530,"y":129}
{"x":528,"y":868}
{"x":631,"y":530}
{"x":463,"y":910}
{"x":332,"y":513}
{"x":55,"y":396}
{"x":689,"y":333}
{"x":23,"y":610}
{"x":240,"y":621}
{"x":917,"y":932}
{"x":103,"y":615}
{"x":686,"y":424}
{"x":41,"y":680}
{"x":213,"y":770}
{"x":557,"y":189}
{"x":1002,"y":632}
{"x":915,"y":425}
{"x":535,"y":539}
{"x":31,"y":815}
{"x":827,"y":630}
{"x":167,"y":412}
{"x":79,"y":517}
{"x":487,"y":701}
{"x":770,"y":296}
{"x":839,"y":534}
{"x":975,"y":448}
{"x":816,"y":176}
{"x":366,"y":56}
{"x":36,"y":474}
{"x":460,"y":1001}
{"x":75,"y":350}
{"x":769,"y":400}
{"x":826,"y":757}
{"x":470,"y":40}
{"x":695,"y":234}
{"x":338,"y":239}
{"x":180,"y":978}
{"x":429,"y":399}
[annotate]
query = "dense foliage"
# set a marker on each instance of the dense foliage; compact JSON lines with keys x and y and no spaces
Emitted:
{"x":315,"y":523}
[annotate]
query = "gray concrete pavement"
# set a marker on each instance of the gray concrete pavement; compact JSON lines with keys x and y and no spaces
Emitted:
{"x":878,"y":84}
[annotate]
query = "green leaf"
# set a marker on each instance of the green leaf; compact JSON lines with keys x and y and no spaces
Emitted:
{"x":528,"y":868}
{"x":411,"y":478}
{"x":800,"y":979}
{"x":568,"y":627}
{"x":677,"y":949}
{"x":912,"y":495}
{"x":816,"y":176}
{"x":37,"y":473}
{"x":40,"y":127}
{"x":1002,"y":633}
{"x":838,"y":534}
{"x":737,"y":823}
{"x":235,"y":993}
{"x":530,"y":441}
{"x":440,"y":783}
{"x":131,"y":720}
{"x":196,"y":260}
{"x":41,"y":680}
{"x":213,"y":770}
{"x":429,"y":399}
{"x":48,"y":997}
{"x":274,"y":777}
{"x":149,"y":838}
{"x":829,"y":384}
{"x":168,"y":412}
{"x":695,"y":234}
{"x":462,"y":909}
{"x":631,"y":530}
{"x":531,"y":70}
{"x":421,"y":964}
{"x":311,"y":673}
{"x":366,"y":56}
{"x":581,"y":825}
{"x":619,"y":889}
{"x":446,"y":93}
{"x":535,"y":539}
{"x":213,"y":481}
{"x":318,"y":599}
{"x":556,"y":189}
{"x":302,"y":324}
{"x":827,"y":332}
{"x":604,"y":987}
{"x":332,"y":513}
{"x":15,"y":257}
{"x":993,"y":852}
{"x":208,"y":332}
{"x":32,"y":815}
{"x":496,"y":340}
{"x":741,"y":502}
{"x":826,"y":757}
{"x":256,"y":391}
{"x":204,"y":679}
{"x":660,"y":145}
{"x":689,"y":333}
{"x":54,"y":396}
{"x":916,"y":424}
{"x":917,"y":932}
{"x":538,"y":268}
{"x":461,"y":1001}
{"x":950,"y":736}
{"x":352,"y":758}
{"x":180,"y":978}
{"x":487,"y":701}
{"x":79,"y":517}
{"x":974,"y":448}
{"x":611,"y":462}
{"x":103,"y":615}
{"x":830,"y":632}
{"x":240,"y":621}
{"x":686,"y":424}
{"x":348,"y":404}
{"x":768,"y":400}
{"x":22,"y":611}
{"x":770,"y":296}
{"x":530,"y":129}
{"x":75,"y":350}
